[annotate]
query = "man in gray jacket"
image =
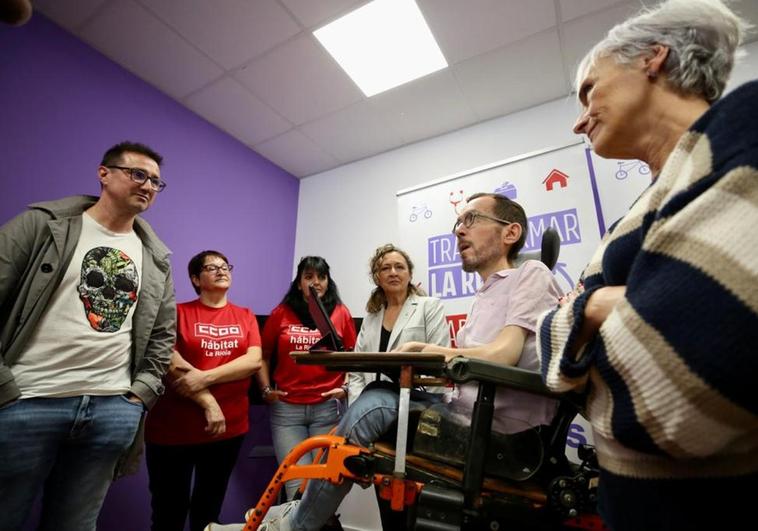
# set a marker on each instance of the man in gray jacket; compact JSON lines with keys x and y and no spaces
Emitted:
{"x":87,"y":326}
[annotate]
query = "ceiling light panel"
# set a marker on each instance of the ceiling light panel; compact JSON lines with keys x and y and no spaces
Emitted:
{"x":383,"y":44}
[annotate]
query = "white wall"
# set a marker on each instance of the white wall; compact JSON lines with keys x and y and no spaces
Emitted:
{"x":747,"y":66}
{"x":345,"y":213}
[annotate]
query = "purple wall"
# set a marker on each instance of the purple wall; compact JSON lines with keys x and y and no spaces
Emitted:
{"x":63,"y":105}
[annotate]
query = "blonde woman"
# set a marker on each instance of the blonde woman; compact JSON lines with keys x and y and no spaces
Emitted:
{"x":398,"y":312}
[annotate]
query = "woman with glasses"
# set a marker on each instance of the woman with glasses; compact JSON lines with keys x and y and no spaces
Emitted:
{"x":398,"y":312}
{"x":197,"y":426}
{"x":306,"y":400}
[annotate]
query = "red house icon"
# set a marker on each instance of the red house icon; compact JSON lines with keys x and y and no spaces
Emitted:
{"x":555,"y":177}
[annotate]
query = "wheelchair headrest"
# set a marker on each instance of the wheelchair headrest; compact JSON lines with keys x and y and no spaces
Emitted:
{"x":548,"y":253}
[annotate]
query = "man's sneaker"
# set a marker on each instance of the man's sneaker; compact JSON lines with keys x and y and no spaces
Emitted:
{"x":277,"y":517}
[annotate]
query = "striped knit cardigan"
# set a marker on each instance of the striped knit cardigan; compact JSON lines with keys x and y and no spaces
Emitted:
{"x":671,"y":379}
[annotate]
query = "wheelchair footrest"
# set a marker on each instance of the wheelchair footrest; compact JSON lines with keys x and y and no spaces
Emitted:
{"x":439,"y":509}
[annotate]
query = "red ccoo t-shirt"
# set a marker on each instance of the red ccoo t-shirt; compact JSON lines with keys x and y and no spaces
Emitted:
{"x":207,"y":338}
{"x":284,"y":333}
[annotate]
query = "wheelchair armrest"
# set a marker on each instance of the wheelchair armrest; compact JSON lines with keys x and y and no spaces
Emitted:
{"x":462,"y":370}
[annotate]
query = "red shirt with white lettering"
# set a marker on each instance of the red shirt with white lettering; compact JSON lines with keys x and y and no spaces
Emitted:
{"x":206,"y":337}
{"x":284,"y":333}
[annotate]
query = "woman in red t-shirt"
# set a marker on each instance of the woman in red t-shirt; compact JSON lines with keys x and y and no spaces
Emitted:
{"x":198,"y":425}
{"x":308,"y":399}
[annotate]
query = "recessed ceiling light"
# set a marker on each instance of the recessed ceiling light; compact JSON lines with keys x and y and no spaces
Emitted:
{"x":382,"y":45}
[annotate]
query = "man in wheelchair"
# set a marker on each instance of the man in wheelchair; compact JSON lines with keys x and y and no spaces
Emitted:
{"x":500,"y":330}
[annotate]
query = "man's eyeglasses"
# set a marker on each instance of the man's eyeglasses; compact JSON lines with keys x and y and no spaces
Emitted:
{"x":212,"y":268}
{"x":469,"y":218}
{"x":139,"y":176}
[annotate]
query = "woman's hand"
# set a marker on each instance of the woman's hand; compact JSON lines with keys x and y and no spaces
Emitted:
{"x":411,"y":346}
{"x":569,"y":297}
{"x":272,"y":395}
{"x":215,"y":423}
{"x":596,"y":311}
{"x":338,"y":393}
{"x":418,"y":346}
{"x":193,"y":381}
{"x":601,"y":303}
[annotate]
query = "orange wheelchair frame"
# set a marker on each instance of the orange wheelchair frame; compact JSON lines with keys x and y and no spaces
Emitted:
{"x":446,"y":498}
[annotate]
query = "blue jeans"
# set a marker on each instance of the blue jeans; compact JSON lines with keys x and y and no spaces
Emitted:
{"x":367,"y":419}
{"x":291,"y":424}
{"x":69,"y":445}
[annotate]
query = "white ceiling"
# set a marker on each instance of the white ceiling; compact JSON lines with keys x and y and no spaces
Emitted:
{"x":254,"y":69}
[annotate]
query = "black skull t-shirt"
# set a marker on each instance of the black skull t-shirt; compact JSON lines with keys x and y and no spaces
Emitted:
{"x":108,"y":287}
{"x":82,"y":344}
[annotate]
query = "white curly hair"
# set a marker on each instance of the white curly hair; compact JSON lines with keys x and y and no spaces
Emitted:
{"x":702,"y":37}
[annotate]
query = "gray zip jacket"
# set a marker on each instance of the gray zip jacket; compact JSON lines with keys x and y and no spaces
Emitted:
{"x":35,"y":250}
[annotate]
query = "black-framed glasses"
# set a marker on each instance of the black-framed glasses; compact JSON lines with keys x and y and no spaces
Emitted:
{"x":469,"y":218}
{"x":213,"y":268}
{"x":139,"y":176}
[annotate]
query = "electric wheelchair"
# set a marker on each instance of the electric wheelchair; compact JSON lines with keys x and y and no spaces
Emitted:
{"x":457,"y":476}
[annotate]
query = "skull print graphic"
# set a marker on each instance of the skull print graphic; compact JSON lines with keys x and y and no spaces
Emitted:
{"x":108,"y":287}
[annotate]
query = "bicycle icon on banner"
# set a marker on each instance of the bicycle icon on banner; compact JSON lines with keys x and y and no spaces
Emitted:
{"x":420,"y":210}
{"x":627,"y":166}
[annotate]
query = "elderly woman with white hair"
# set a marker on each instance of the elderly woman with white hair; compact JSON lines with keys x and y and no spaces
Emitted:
{"x":663,"y":338}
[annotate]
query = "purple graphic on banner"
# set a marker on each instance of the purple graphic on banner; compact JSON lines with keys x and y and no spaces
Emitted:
{"x":443,"y":250}
{"x":566,"y":222}
{"x":508,"y":189}
{"x":595,"y":192}
{"x":453,"y":282}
